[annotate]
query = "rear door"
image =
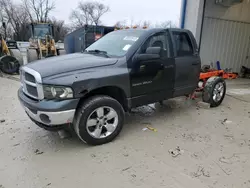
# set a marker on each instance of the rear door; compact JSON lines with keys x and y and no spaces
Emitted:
{"x":187,"y":62}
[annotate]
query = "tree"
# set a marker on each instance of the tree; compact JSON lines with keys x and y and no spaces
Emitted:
{"x":146,"y":24}
{"x":38,"y":10}
{"x":61,"y":30}
{"x":16,"y":18}
{"x":120,"y":24}
{"x":166,"y":24}
{"x":97,"y":11}
{"x":88,"y":13}
{"x":131,"y":24}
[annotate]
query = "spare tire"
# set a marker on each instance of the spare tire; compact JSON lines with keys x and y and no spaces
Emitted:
{"x":214,"y":91}
{"x":9,"y":64}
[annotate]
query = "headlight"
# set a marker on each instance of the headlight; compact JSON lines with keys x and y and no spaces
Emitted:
{"x":57,"y":92}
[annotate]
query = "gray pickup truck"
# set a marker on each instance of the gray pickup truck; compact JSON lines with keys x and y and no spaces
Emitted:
{"x":92,"y":90}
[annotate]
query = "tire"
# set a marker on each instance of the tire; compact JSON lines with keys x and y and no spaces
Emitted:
{"x":9,"y":64}
{"x":88,"y":111}
{"x":17,"y":54}
{"x":212,"y":93}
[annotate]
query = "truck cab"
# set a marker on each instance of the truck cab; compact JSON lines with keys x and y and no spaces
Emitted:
{"x":92,"y":90}
{"x":40,"y":30}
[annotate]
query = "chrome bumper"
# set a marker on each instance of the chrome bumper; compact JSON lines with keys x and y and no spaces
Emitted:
{"x":49,"y":113}
{"x":51,"y":118}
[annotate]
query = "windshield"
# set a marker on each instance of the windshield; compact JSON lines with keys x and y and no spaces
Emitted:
{"x":41,"y":31}
{"x":116,"y":43}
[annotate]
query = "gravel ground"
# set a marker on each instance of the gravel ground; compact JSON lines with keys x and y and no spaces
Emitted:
{"x":190,"y":147}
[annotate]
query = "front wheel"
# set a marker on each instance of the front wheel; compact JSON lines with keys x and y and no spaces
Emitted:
{"x":214,"y":91}
{"x":99,"y":120}
{"x":9,"y":64}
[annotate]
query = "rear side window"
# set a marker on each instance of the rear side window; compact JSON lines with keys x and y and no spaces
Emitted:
{"x":183,"y":43}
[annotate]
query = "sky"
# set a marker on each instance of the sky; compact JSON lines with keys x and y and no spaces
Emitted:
{"x":155,"y":11}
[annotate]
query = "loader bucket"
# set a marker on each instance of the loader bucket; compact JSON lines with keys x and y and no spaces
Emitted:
{"x":9,"y":64}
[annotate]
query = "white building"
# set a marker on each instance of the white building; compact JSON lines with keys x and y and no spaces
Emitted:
{"x":222,"y":30}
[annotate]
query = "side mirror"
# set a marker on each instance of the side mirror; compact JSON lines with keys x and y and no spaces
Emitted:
{"x":152,"y":53}
{"x":153,"y":50}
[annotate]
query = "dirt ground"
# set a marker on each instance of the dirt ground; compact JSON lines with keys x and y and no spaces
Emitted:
{"x":213,"y":147}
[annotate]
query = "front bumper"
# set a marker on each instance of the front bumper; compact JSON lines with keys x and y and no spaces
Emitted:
{"x":49,"y":112}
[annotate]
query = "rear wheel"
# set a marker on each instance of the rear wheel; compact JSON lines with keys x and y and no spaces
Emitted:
{"x":99,"y":120}
{"x":214,"y":91}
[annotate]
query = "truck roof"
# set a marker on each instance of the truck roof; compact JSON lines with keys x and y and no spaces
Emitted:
{"x":153,"y":30}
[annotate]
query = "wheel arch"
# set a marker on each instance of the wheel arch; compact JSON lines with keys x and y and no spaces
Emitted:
{"x":111,"y":91}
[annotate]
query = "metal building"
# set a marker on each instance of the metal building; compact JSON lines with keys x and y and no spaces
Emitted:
{"x":222,"y":29}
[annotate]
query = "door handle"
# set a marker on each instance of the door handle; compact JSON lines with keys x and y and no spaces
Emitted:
{"x":142,"y":67}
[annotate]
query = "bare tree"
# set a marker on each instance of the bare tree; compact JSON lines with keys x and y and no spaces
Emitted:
{"x":19,"y":16}
{"x":60,"y":29}
{"x":81,"y":16}
{"x":38,"y":10}
{"x":120,"y":24}
{"x":2,"y":22}
{"x":166,"y":24}
{"x":16,"y":18}
{"x":131,"y":23}
{"x":88,"y":13}
{"x":97,"y":11}
{"x":146,"y":24}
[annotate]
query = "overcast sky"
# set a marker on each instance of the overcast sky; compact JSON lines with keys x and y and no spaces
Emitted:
{"x":150,"y":10}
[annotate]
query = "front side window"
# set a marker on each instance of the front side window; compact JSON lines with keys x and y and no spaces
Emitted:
{"x":116,"y":43}
{"x":158,"y":40}
{"x":183,"y":43}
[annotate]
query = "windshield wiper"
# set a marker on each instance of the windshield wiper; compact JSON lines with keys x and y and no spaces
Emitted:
{"x":98,"y":52}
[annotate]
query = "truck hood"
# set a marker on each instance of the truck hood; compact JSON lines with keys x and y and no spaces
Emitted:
{"x":70,"y":62}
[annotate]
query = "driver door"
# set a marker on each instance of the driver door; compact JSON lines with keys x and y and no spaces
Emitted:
{"x":152,"y":80}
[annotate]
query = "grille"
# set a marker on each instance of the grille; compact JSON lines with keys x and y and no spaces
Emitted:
{"x":29,"y":77}
{"x":31,"y":83}
{"x":32,"y":90}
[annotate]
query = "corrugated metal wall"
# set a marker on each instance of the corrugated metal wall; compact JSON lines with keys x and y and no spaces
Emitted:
{"x":225,"y":41}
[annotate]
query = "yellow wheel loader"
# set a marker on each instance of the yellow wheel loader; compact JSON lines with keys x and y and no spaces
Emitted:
{"x":42,"y":43}
{"x":10,"y":57}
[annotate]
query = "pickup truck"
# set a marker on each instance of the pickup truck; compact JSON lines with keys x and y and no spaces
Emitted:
{"x":92,"y":90}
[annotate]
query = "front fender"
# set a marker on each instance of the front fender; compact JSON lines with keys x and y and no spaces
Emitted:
{"x":115,"y":77}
